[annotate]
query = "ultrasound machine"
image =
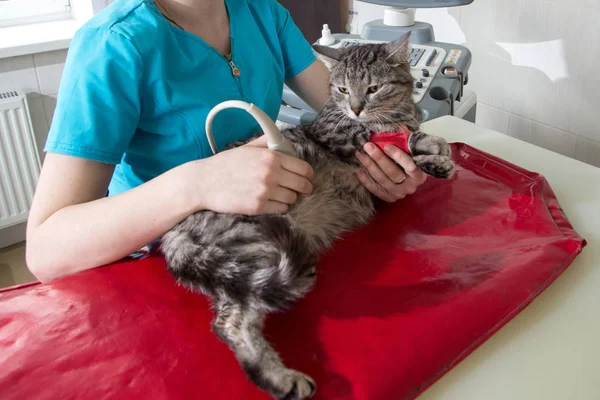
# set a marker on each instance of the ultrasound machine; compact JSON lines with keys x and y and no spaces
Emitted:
{"x":440,"y":70}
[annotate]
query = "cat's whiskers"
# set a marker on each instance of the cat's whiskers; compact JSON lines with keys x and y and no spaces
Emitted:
{"x":385,"y":119}
{"x":343,"y":117}
{"x":379,"y":122}
{"x":386,"y":110}
{"x":325,"y":122}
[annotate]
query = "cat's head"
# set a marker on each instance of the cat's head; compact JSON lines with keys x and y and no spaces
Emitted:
{"x":371,"y":83}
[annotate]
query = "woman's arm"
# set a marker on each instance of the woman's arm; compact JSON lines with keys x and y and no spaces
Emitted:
{"x":312,"y":85}
{"x":73,"y":227}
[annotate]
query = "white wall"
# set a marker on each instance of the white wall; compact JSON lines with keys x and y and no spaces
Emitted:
{"x":38,"y":76}
{"x":534,"y":73}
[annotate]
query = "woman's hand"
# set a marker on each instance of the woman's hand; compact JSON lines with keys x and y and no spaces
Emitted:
{"x":249,"y":179}
{"x":389,"y":182}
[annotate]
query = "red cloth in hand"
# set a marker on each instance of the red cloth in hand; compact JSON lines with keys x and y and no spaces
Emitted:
{"x":398,"y":139}
{"x":397,"y":303}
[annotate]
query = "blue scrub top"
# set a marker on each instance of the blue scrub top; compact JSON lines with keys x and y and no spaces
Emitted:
{"x":136,"y":90}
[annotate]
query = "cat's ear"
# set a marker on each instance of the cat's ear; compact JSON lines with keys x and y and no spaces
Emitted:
{"x":328,"y":55}
{"x":398,"y":50}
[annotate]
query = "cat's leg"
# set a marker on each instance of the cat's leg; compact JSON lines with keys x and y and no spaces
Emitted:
{"x":431,"y":154}
{"x":241,"y":328}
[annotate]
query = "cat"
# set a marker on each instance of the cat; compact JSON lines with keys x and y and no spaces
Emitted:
{"x":250,"y":266}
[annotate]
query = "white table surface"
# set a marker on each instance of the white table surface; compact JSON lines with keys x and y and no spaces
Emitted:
{"x":551,"y":350}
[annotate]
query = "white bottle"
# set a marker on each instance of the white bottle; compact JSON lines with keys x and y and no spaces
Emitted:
{"x":326,"y":38}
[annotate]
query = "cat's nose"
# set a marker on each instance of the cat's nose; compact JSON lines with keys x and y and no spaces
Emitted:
{"x":357,"y":111}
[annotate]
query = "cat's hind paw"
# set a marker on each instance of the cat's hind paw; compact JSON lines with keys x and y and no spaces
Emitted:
{"x":435,"y":165}
{"x":293,"y":385}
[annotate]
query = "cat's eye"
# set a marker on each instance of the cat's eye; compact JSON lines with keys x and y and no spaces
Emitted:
{"x":343,"y":90}
{"x":372,"y":89}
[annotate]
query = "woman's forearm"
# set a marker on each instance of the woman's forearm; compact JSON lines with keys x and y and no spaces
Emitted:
{"x":73,"y":227}
{"x":91,"y":234}
{"x":312,"y":85}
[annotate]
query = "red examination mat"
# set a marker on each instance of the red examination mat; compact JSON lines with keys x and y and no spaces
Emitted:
{"x":397,"y":304}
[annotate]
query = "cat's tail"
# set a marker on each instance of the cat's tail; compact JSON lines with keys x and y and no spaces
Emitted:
{"x":291,"y":271}
{"x":277,"y":287}
{"x":263,"y":264}
{"x":179,"y":249}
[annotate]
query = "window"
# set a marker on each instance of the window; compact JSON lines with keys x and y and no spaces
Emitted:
{"x":17,"y":12}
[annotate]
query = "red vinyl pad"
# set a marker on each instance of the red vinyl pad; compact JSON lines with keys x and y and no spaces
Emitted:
{"x":397,"y":303}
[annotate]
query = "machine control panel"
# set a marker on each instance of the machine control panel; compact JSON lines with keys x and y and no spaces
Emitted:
{"x":439,"y":71}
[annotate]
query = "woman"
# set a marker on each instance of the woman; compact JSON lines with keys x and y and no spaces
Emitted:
{"x":139,"y":80}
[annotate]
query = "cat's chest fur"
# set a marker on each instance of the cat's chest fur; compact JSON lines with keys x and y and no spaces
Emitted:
{"x":338,"y":203}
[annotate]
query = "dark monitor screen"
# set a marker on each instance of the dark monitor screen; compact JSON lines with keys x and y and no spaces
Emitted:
{"x":420,"y":3}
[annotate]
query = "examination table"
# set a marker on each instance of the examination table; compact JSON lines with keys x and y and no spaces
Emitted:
{"x":485,"y":286}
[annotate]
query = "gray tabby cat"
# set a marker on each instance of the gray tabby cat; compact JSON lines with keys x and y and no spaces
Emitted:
{"x":252,"y":266}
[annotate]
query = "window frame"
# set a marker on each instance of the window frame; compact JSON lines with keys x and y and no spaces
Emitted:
{"x":19,"y":12}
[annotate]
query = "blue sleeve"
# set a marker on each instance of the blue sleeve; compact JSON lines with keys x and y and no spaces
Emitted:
{"x":99,"y":98}
{"x":297,"y":52}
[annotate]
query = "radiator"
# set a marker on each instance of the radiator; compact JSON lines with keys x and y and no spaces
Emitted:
{"x":19,"y":159}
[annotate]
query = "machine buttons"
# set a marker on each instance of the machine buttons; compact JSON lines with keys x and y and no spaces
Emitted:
{"x":415,"y":56}
{"x":419,"y":85}
{"x":425,"y":72}
{"x":431,"y":57}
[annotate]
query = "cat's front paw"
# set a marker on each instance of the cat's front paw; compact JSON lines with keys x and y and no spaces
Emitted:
{"x":435,"y":165}
{"x":423,"y":144}
{"x":293,"y":385}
